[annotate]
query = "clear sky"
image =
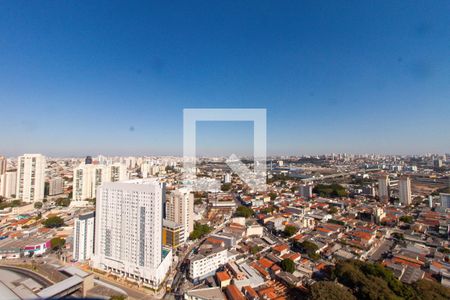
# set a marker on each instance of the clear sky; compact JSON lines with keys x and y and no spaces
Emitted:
{"x":113,"y":77}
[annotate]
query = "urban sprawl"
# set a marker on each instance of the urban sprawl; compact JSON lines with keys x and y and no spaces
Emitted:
{"x":336,"y":226}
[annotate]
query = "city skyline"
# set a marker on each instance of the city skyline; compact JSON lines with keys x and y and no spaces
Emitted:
{"x":77,"y":77}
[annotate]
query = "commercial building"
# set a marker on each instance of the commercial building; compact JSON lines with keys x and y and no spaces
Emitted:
{"x":128,"y":230}
{"x":55,"y":186}
{"x":30,"y":177}
{"x":404,"y":190}
{"x":180,"y":209}
{"x":83,"y":236}
{"x":173,"y":234}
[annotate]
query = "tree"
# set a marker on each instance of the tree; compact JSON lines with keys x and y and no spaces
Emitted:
{"x":308,"y":248}
{"x":62,"y":202}
{"x":290,"y":230}
{"x":288,"y":265}
{"x":38,"y":205}
{"x":225,"y":187}
{"x":255,"y":249}
{"x":200,"y":230}
{"x":244,"y":211}
{"x":332,"y":210}
{"x":328,"y":290}
{"x":53,"y":222}
{"x":330,"y":190}
{"x":57,"y":243}
{"x":407,"y":219}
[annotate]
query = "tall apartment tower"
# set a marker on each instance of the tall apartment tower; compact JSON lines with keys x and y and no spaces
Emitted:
{"x":383,"y":187}
{"x":306,"y":191}
{"x":30,"y":177}
{"x":88,"y":177}
{"x":83,"y":236}
{"x":180,"y":209}
{"x":3,"y":164}
{"x":128,"y":231}
{"x":404,"y":190}
{"x":116,"y":172}
{"x":8,"y":183}
{"x":55,"y":186}
{"x":445,"y":200}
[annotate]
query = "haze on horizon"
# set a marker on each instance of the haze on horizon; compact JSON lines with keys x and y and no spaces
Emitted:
{"x":80,"y":78}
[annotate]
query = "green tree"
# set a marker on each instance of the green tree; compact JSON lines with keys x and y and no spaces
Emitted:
{"x":53,"y":222}
{"x":62,"y":202}
{"x":407,"y":219}
{"x":255,"y":249}
{"x":290,"y":230}
{"x":37,"y":205}
{"x":328,"y":290}
{"x":333,"y":210}
{"x":288,"y":265}
{"x":330,"y":190}
{"x":57,"y":243}
{"x":244,"y":211}
{"x":200,"y":230}
{"x":225,"y":187}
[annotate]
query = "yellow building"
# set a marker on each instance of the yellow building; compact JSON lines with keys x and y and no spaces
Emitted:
{"x":172,"y":234}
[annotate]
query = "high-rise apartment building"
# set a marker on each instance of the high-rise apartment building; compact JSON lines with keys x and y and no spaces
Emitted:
{"x":404,"y":190}
{"x":306,"y":191}
{"x":3,"y":165}
{"x":30,"y":177}
{"x":445,"y":200}
{"x":116,"y":172}
{"x":180,"y":209}
{"x":128,"y":230}
{"x":383,"y":187}
{"x":88,"y":177}
{"x":55,"y":186}
{"x":83,"y":236}
{"x":8,"y":183}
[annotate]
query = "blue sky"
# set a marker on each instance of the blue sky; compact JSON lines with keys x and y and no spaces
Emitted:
{"x":112,"y":77}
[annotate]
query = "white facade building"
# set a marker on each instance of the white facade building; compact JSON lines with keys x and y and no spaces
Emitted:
{"x":404,"y":190}
{"x":128,"y":231}
{"x":83,"y":237}
{"x":8,"y":183}
{"x":202,"y":266}
{"x":180,"y":209}
{"x":30,"y":183}
{"x":88,"y":177}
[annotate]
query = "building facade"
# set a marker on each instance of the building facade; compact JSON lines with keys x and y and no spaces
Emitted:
{"x":30,"y":183}
{"x":8,"y":183}
{"x":404,"y":190}
{"x":55,"y":186}
{"x":180,"y":209}
{"x":83,"y":237}
{"x":129,"y":221}
{"x":383,"y":188}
